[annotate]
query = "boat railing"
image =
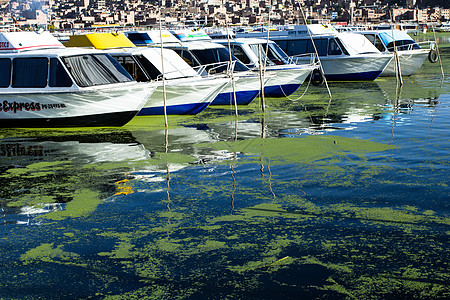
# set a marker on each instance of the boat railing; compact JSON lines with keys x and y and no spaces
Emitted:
{"x":430,"y":45}
{"x":425,"y":45}
{"x":303,"y":58}
{"x":213,"y":68}
{"x":160,"y":76}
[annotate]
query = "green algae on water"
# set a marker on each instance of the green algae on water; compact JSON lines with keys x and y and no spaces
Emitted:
{"x":300,"y":150}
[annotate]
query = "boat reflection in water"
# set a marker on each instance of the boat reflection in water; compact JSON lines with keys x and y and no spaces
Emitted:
{"x":44,"y":171}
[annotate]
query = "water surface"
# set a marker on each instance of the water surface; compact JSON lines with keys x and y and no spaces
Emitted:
{"x":315,"y":198}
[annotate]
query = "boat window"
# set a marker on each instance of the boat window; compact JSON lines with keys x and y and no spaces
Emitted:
{"x":5,"y":72}
{"x":30,"y":72}
{"x":187,"y":57}
{"x":240,"y":54}
{"x":321,"y":45}
{"x":149,"y":68}
{"x":402,"y":45}
{"x":375,"y":40}
{"x":217,"y":56}
{"x":255,"y":49}
{"x":95,"y":69}
{"x":304,"y":46}
{"x":282,"y":45}
{"x":133,"y":67}
{"x":58,"y":76}
{"x":333,"y":47}
{"x":277,"y":55}
{"x":342,"y":46}
{"x":139,"y":38}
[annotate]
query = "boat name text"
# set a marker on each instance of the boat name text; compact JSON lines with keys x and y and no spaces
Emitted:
{"x":4,"y":45}
{"x":10,"y":150}
{"x":20,"y":106}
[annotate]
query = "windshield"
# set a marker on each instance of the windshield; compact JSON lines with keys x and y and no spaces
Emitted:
{"x":95,"y":69}
{"x":216,"y":56}
{"x":256,"y":48}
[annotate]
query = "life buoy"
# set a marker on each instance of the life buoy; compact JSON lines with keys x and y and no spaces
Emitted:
{"x":432,"y":56}
{"x":317,"y":78}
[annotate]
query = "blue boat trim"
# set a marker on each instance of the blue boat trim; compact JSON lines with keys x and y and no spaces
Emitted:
{"x":280,"y":90}
{"x":242,"y":98}
{"x":354,"y":76}
{"x":182,"y":109}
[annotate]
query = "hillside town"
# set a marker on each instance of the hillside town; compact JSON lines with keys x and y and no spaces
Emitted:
{"x":68,"y":14}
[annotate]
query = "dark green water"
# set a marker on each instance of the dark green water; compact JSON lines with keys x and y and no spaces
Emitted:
{"x":345,"y":198}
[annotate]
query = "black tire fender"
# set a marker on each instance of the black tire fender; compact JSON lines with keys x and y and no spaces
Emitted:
{"x":432,"y":56}
{"x":317,"y":78}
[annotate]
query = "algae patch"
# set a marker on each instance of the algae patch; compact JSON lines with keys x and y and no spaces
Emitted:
{"x":48,"y":253}
{"x":300,"y":150}
{"x":84,"y":203}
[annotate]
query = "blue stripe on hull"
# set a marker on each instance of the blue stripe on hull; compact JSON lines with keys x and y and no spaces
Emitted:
{"x":280,"y":90}
{"x":242,"y":98}
{"x":182,"y":109}
{"x":354,"y":76}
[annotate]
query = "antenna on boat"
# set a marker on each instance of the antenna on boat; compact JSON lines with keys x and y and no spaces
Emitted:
{"x":233,"y":86}
{"x":162,"y":69}
{"x":317,"y":53}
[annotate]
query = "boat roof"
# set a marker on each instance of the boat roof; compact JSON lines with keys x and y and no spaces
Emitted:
{"x":99,"y":41}
{"x":190,"y":35}
{"x":291,"y":31}
{"x":198,"y":45}
{"x":58,"y":52}
{"x":244,"y":41}
{"x":150,"y":37}
{"x":27,"y":40}
{"x":357,"y":43}
{"x":387,"y":36}
{"x":174,"y":65}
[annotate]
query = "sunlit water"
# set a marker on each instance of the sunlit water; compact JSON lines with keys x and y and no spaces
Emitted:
{"x":315,"y":198}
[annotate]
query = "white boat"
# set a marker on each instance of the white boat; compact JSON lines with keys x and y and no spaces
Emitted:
{"x":208,"y":59}
{"x":284,"y":76}
{"x":44,"y":84}
{"x":411,"y":55}
{"x":344,"y":56}
{"x":289,"y":76}
{"x":444,"y":27}
{"x":186,"y":91}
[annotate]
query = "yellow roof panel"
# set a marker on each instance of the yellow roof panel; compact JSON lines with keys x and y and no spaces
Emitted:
{"x":100,"y":41}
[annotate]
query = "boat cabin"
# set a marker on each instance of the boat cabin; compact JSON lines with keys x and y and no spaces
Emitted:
{"x":327,"y":40}
{"x":384,"y":40}
{"x":31,"y":61}
{"x":248,"y":52}
{"x":212,"y":57}
{"x":142,"y":63}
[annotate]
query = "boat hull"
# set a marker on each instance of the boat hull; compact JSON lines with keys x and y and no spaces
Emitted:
{"x":410,"y":62}
{"x":286,"y":80}
{"x":184,"y":96}
{"x":246,"y":88}
{"x":353,"y":68}
{"x":90,"y":107}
